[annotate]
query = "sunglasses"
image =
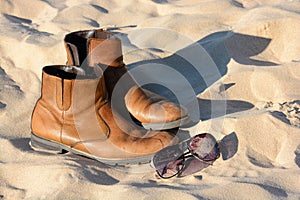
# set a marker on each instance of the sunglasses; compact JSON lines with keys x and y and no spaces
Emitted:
{"x":202,"y":151}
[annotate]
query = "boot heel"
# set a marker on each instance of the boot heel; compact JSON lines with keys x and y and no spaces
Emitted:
{"x":40,"y":144}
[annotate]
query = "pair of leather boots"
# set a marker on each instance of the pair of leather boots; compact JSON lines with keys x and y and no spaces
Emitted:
{"x":74,"y":112}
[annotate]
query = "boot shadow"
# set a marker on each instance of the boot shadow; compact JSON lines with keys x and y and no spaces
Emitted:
{"x":210,"y":109}
{"x":297,"y":156}
{"x":220,"y":49}
{"x":92,"y":170}
{"x":229,"y":146}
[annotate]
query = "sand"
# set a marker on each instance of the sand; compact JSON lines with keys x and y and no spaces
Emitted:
{"x":246,"y":93}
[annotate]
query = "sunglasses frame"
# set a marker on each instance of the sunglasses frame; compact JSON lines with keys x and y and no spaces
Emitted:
{"x":191,"y":154}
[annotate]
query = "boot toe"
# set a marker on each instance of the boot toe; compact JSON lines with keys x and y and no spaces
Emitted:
{"x":152,"y":109}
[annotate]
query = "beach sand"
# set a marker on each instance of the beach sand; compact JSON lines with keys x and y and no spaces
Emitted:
{"x":247,"y":92}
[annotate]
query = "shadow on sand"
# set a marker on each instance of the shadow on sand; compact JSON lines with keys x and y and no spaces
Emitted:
{"x":211,"y":66}
{"x":90,"y":169}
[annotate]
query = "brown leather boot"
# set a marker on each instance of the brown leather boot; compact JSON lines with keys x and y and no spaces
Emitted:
{"x":101,"y":51}
{"x":73,"y":114}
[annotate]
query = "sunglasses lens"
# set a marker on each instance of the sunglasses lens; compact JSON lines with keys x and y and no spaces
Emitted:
{"x":205,"y":147}
{"x":193,"y":165}
{"x":169,"y":161}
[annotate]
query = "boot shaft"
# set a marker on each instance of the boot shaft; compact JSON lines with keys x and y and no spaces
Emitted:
{"x":93,"y":47}
{"x":100,"y":51}
{"x":62,"y":89}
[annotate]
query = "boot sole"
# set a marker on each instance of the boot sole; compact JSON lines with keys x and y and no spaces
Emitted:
{"x":40,"y":144}
{"x":168,"y":125}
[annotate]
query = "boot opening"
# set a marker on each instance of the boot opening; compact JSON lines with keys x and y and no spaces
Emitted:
{"x":99,"y":34}
{"x":66,"y":72}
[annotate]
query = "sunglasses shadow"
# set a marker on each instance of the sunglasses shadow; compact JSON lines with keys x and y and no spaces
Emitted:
{"x":228,"y":148}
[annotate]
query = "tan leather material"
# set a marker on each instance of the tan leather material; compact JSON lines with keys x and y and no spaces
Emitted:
{"x":76,"y":113}
{"x":148,"y":107}
{"x":104,"y":51}
{"x":62,"y":114}
{"x":47,"y":117}
{"x":46,"y":122}
{"x":88,"y":96}
{"x":127,"y":142}
{"x":138,"y":141}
